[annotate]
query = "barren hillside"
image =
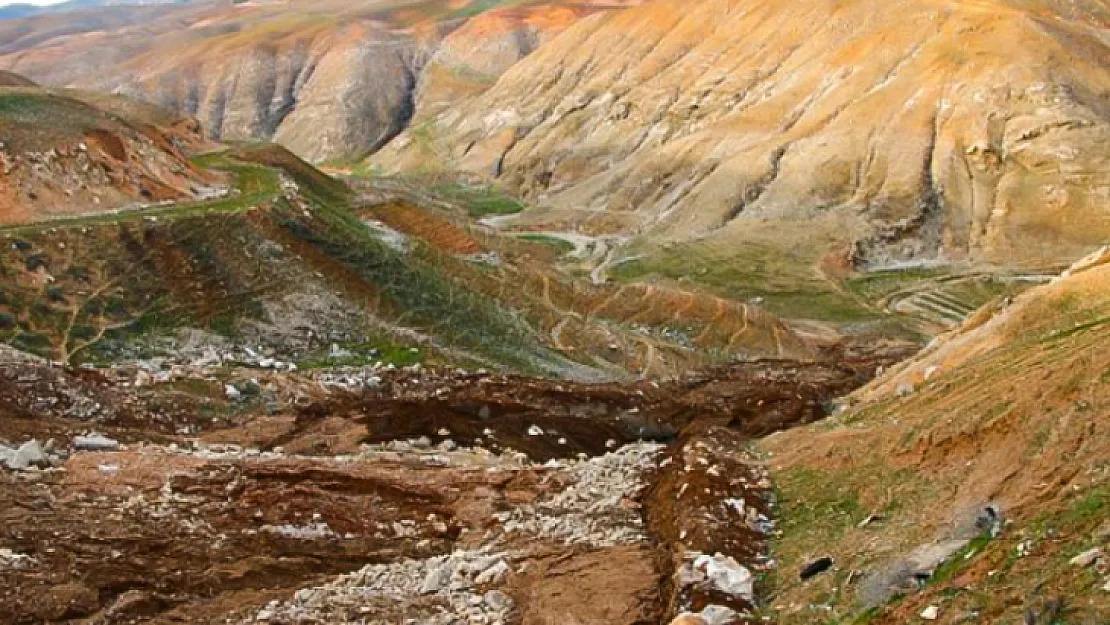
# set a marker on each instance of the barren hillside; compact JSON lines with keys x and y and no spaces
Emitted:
{"x":916,"y":131}
{"x":331,"y":80}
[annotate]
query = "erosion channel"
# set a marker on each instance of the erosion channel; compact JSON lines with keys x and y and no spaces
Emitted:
{"x":415,"y":495}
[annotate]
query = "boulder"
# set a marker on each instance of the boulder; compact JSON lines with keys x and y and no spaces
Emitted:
{"x":95,"y":442}
{"x":29,"y":454}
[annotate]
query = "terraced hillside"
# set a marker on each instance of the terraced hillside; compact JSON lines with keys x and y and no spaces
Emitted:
{"x":295,"y":264}
{"x":1010,"y":412}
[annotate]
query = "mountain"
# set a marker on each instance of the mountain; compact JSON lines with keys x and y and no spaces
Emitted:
{"x":911,"y":133}
{"x":17,"y":10}
{"x":65,"y":153}
{"x":331,"y":80}
{"x":490,"y":311}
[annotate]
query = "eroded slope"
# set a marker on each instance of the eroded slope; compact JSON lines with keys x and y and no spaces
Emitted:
{"x":65,"y":153}
{"x":915,"y":132}
{"x":1010,"y":411}
{"x":333,"y":80}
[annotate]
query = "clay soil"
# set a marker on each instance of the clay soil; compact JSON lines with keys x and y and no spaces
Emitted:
{"x":180,"y":528}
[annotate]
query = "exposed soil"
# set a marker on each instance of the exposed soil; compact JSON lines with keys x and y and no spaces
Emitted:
{"x":220,"y":511}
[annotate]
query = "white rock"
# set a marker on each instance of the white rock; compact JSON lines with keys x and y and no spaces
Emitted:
{"x":232,"y":393}
{"x":718,"y":615}
{"x":493,"y":574}
{"x":1087,"y":558}
{"x":437,"y":579}
{"x":535,"y":430}
{"x":727,"y":575}
{"x":930,"y":613}
{"x":95,"y":442}
{"x":6,"y":454}
{"x":29,"y":454}
{"x":498,"y":600}
{"x":15,"y":561}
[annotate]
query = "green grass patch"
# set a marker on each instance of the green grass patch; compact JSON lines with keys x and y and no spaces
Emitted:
{"x":879,"y":284}
{"x":561,"y":245}
{"x":953,"y":565}
{"x":365,"y":353}
{"x":415,"y":286}
{"x":480,"y":201}
{"x":785,"y":283}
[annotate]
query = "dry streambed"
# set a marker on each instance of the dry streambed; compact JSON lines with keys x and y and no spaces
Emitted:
{"x":424,"y":497}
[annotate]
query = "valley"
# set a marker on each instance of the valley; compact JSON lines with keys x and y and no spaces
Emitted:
{"x":599,"y":312}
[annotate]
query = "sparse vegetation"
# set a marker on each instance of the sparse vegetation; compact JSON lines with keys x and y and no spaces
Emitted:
{"x":560,"y":245}
{"x":781,"y":284}
{"x":481,"y":201}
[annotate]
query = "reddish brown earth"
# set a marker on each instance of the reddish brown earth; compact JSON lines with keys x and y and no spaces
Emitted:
{"x":65,"y":153}
{"x":175,"y":528}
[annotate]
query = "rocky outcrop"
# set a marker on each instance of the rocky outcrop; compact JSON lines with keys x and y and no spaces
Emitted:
{"x":910,"y":132}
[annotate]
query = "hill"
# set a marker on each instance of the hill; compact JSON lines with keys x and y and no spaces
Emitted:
{"x":18,"y":10}
{"x":329,"y":80}
{"x":296,"y":264}
{"x":1008,"y":411}
{"x":734,"y":145}
{"x":65,"y":153}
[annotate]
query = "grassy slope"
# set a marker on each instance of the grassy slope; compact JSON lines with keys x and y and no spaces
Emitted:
{"x":112,"y":277}
{"x":33,"y":119}
{"x":412,"y":284}
{"x":1016,"y":410}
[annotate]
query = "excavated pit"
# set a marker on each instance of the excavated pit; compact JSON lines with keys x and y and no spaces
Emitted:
{"x":415,"y":496}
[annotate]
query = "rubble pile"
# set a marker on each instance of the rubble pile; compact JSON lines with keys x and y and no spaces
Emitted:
{"x":442,"y":590}
{"x":178,"y":489}
{"x":597,"y":503}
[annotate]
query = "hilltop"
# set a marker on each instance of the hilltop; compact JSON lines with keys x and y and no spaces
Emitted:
{"x":66,"y":153}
